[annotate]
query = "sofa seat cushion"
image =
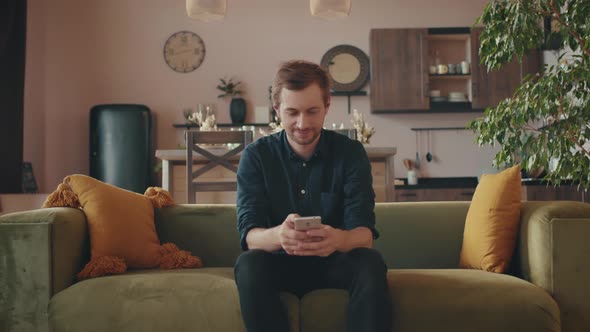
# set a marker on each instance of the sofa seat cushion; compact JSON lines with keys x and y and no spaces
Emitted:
{"x":154,"y":300}
{"x":207,"y":300}
{"x":445,"y":300}
{"x":470,"y":300}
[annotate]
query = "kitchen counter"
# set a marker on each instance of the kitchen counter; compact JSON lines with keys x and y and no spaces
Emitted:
{"x":382,"y":162}
{"x":542,"y":182}
{"x":441,"y":183}
{"x":468,"y":182}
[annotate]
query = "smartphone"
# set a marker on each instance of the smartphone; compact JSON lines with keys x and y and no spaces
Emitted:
{"x":306,"y":223}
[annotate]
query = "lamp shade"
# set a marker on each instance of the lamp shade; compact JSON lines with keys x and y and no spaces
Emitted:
{"x":330,"y":8}
{"x":206,"y":10}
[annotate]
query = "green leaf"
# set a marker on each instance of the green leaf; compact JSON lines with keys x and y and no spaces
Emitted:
{"x":548,"y":116}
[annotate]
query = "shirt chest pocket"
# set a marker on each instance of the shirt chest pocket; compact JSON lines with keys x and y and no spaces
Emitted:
{"x":332,"y":208}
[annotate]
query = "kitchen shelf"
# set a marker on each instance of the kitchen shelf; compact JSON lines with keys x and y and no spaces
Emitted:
{"x":449,"y":31}
{"x":451,"y":76}
{"x":192,"y":125}
{"x":443,"y":182}
{"x":351,"y":93}
{"x":433,"y":109}
{"x":438,"y":128}
{"x":458,"y":37}
{"x":348,"y":94}
{"x":451,"y":106}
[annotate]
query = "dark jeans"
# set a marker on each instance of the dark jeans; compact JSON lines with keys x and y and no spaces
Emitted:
{"x":261,"y":276}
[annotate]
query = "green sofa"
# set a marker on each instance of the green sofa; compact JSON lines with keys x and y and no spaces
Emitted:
{"x":548,"y":288}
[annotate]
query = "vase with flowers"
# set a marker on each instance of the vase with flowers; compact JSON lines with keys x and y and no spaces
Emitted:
{"x":363,"y":130}
{"x":237,"y":106}
{"x":205,"y":122}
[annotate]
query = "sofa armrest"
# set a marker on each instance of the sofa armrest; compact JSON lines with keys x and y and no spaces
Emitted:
{"x":40,"y":253}
{"x":552,"y":252}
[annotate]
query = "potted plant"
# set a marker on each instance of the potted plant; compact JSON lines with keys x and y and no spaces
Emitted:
{"x":237,"y":106}
{"x":545,"y":124}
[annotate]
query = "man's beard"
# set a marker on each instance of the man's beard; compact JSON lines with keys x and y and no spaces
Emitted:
{"x":309,"y":139}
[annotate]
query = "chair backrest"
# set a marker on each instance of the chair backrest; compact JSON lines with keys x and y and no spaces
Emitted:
{"x":351,"y":133}
{"x":230,"y":142}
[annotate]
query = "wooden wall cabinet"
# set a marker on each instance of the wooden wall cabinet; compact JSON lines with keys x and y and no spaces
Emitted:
{"x":400,"y":78}
{"x":489,"y":88}
{"x":550,"y":193}
{"x":399,"y":69}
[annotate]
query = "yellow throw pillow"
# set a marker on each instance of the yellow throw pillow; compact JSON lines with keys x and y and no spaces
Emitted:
{"x":121,"y":226}
{"x":492,"y":222}
{"x":120,"y":222}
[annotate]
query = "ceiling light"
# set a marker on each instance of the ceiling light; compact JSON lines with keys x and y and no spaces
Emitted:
{"x":330,"y":8}
{"x":206,"y":10}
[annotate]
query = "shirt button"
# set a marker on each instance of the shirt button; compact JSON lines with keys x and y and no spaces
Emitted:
{"x":302,"y":192}
{"x":304,"y":164}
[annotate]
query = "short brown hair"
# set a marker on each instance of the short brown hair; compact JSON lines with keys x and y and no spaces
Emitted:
{"x":298,"y":75}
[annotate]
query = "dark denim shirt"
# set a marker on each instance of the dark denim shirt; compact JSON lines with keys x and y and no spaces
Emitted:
{"x":336,"y":184}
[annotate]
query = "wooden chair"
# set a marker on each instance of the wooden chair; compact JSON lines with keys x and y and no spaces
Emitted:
{"x":194,"y":141}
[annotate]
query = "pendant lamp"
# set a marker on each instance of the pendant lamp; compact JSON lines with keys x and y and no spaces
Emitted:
{"x":206,"y":10}
{"x":330,"y":8}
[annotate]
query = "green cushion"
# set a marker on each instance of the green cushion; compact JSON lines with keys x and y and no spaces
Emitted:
{"x":324,"y":310}
{"x":204,"y":300}
{"x":445,"y":300}
{"x":156,"y":300}
{"x":413,"y":235}
{"x":208,"y":231}
{"x":469,"y":300}
{"x":420,"y":235}
{"x":207,"y":300}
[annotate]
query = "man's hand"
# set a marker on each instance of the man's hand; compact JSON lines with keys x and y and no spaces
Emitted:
{"x":289,"y":238}
{"x":326,"y":240}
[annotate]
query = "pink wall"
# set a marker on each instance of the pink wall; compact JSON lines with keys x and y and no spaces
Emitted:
{"x":82,"y":53}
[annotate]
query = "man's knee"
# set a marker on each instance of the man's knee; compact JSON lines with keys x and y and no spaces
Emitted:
{"x":368,"y":259}
{"x":253,"y":264}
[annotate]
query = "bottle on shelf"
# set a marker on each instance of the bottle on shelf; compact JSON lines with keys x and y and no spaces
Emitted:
{"x":434,"y":62}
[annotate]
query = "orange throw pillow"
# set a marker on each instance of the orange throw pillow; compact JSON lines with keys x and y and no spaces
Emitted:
{"x":492,"y":222}
{"x":121,"y":226}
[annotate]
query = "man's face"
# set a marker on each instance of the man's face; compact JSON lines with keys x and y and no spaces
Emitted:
{"x":302,"y":114}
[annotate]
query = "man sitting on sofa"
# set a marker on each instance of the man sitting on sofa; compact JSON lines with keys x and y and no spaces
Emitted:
{"x":305,"y":170}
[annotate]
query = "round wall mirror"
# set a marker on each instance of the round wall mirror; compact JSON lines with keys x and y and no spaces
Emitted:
{"x":347,"y":66}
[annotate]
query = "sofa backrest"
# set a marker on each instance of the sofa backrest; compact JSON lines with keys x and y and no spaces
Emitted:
{"x":413,"y":235}
{"x":418,"y":235}
{"x":207,"y":231}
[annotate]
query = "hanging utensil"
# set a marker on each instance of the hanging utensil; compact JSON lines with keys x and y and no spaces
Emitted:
{"x":408,"y":164}
{"x":428,"y":154}
{"x":417,"y":163}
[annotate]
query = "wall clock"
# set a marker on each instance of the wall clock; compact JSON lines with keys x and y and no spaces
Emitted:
{"x":347,"y":66}
{"x":184,"y":51}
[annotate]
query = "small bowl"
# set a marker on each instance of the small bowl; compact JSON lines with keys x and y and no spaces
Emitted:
{"x":438,"y":99}
{"x":457,"y":95}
